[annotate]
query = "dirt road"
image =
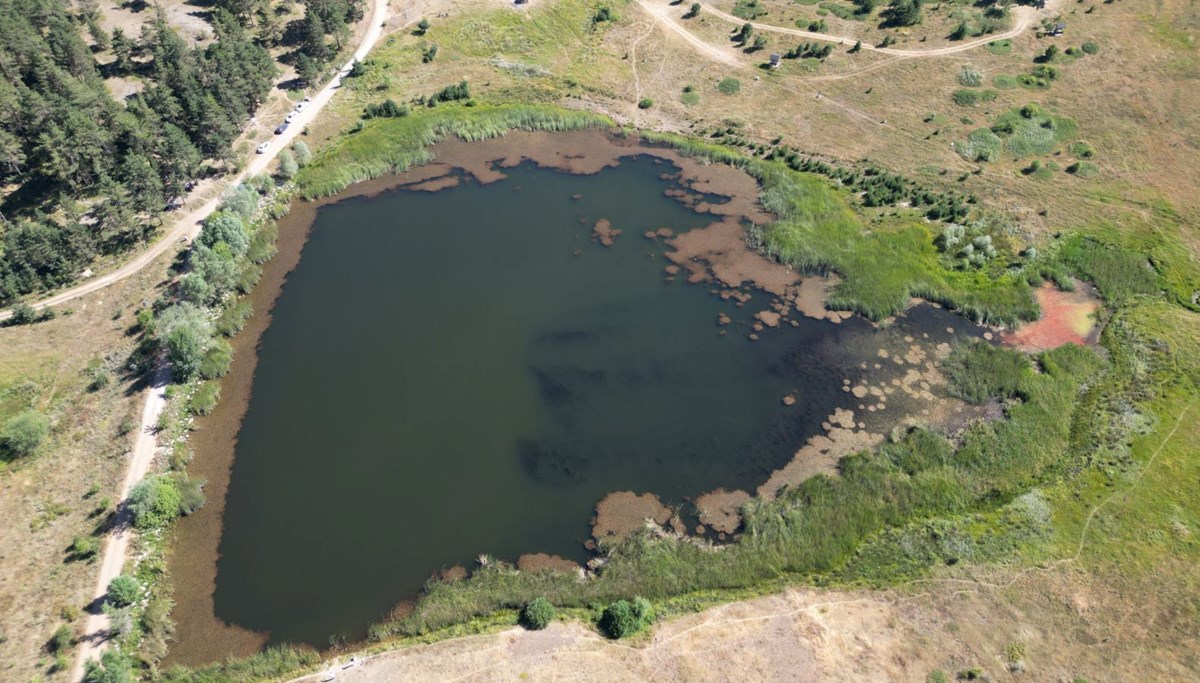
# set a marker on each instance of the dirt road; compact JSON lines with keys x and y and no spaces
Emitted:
{"x":116,"y":548}
{"x":1025,"y":17}
{"x":189,"y":224}
{"x":113,"y":560}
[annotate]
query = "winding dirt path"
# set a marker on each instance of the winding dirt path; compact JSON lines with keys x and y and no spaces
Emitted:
{"x":188,"y":225}
{"x":1025,"y":17}
{"x":95,"y":636}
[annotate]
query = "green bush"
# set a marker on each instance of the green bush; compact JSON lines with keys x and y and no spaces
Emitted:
{"x":185,"y":330}
{"x":113,"y":667}
{"x":1090,"y":47}
{"x":24,"y":433}
{"x":537,"y":614}
{"x":123,"y":591}
{"x":84,"y":547}
{"x":969,"y":98}
{"x":981,"y":145}
{"x":748,"y":9}
{"x":729,"y":86}
{"x":154,"y":502}
{"x":645,"y":103}
{"x":970,"y":76}
{"x":937,"y":676}
{"x":62,"y":640}
{"x":622,"y":618}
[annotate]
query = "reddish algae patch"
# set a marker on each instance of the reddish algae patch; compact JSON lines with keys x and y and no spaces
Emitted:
{"x":1067,"y":318}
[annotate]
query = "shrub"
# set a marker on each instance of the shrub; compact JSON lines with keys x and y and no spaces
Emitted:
{"x":429,"y":54}
{"x":24,"y":433}
{"x":23,"y":314}
{"x":1004,"y":82}
{"x":123,"y":591}
{"x":388,"y":109}
{"x":1082,"y":150}
{"x":537,"y":614}
{"x":981,"y":145}
{"x":241,"y":200}
{"x":729,"y":86}
{"x":1083,"y":169}
{"x":185,"y":331}
{"x":62,"y":639}
{"x":1090,"y":47}
{"x":622,"y":619}
{"x":969,"y":98}
{"x":970,"y":76}
{"x":645,"y":103}
{"x":205,"y":398}
{"x":937,"y":676}
{"x":154,"y":502}
{"x":84,"y":547}
{"x":693,"y":11}
{"x":748,"y":9}
{"x":422,"y":26}
{"x":113,"y":667}
{"x":302,"y":152}
{"x":288,"y":168}
{"x":227,"y":227}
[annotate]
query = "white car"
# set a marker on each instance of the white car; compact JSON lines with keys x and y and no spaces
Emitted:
{"x":291,"y":117}
{"x":262,"y":148}
{"x":301,"y":105}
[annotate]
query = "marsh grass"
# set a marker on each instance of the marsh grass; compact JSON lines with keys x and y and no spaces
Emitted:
{"x":392,"y":145}
{"x":817,"y":529}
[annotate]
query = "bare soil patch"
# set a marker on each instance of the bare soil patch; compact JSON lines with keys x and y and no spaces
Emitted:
{"x":1067,"y":318}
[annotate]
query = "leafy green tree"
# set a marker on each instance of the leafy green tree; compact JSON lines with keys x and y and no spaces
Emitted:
{"x":864,"y":7}
{"x":743,"y":35}
{"x":123,"y":591}
{"x":25,"y":432}
{"x":622,"y":618}
{"x":693,"y":11}
{"x":537,"y":614}
{"x":303,"y":154}
{"x":185,"y":331}
{"x":422,"y":26}
{"x":225,"y":227}
{"x":113,"y":667}
{"x":154,"y":502}
{"x":904,"y":12}
{"x":287,"y":165}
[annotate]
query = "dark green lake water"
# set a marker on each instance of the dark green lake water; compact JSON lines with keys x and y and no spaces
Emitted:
{"x":466,"y":372}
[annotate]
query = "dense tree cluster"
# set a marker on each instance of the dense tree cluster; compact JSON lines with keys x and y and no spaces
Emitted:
{"x":90,"y":170}
{"x":323,"y":20}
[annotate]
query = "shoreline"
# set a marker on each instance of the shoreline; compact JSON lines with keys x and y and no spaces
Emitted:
{"x":201,"y":636}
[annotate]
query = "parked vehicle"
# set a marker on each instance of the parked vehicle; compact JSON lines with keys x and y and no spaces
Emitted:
{"x":291,"y":117}
{"x":262,"y":148}
{"x":282,"y":127}
{"x":301,"y":105}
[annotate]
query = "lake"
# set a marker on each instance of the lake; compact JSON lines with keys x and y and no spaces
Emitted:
{"x":469,"y":371}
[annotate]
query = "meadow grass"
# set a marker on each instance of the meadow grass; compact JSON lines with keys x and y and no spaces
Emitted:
{"x":394,"y":144}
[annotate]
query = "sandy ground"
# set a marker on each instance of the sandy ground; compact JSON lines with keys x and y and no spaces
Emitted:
{"x":807,"y":635}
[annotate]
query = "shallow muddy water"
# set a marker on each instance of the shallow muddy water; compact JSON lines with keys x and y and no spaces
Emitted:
{"x":465,"y":372}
